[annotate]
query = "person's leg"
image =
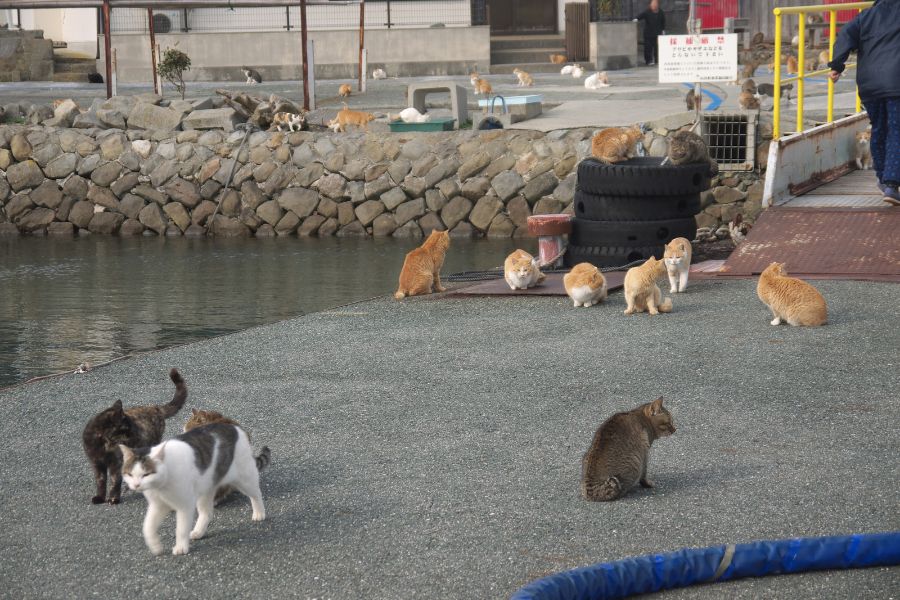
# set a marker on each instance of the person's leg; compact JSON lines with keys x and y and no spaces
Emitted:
{"x":891,"y":168}
{"x":649,"y":45}
{"x":655,"y":46}
{"x":877,"y":110}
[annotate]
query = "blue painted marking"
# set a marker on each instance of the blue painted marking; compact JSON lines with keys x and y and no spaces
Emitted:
{"x":715,"y":99}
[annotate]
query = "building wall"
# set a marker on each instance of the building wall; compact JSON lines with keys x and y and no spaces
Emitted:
{"x":276,"y":55}
{"x":75,"y":26}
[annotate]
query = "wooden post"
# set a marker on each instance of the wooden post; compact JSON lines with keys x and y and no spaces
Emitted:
{"x":362,"y":42}
{"x":152,"y":50}
{"x":303,"y":52}
{"x":115,"y":69}
{"x":311,"y":61}
{"x":107,"y":48}
{"x":365,"y":69}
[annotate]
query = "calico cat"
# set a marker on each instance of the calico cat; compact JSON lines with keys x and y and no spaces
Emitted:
{"x":138,"y":426}
{"x":620,"y":451}
{"x":252,"y":75}
{"x":481,"y":85}
{"x":521,"y":271}
{"x":864,"y":150}
{"x":615,"y":144}
{"x":290,"y":121}
{"x":748,"y":101}
{"x":346,"y":117}
{"x":641,"y":291}
{"x":344,"y":90}
{"x":791,"y":299}
{"x":585,"y":285}
{"x":686,"y":147}
{"x":677,"y":257}
{"x":525,"y":79}
{"x":199,"y":418}
{"x":557,"y":59}
{"x":379,"y":74}
{"x":421,"y":272}
{"x":183,"y":474}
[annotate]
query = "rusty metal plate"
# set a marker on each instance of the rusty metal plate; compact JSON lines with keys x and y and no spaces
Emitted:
{"x":552,"y":286}
{"x":841,"y":242}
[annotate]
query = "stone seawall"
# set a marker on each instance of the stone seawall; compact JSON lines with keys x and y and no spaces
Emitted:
{"x":61,"y":181}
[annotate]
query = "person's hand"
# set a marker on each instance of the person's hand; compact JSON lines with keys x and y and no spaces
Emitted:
{"x":834,"y":76}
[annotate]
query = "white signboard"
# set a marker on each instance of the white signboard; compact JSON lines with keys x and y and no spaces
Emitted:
{"x":698,"y":58}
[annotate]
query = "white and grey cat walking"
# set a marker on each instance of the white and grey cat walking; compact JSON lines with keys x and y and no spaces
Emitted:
{"x":182,"y":475}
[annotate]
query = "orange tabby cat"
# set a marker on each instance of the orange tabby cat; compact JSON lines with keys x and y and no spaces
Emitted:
{"x":521,"y":271}
{"x":421,"y":273}
{"x":864,"y":149}
{"x":792,"y":65}
{"x":748,"y":101}
{"x":346,"y":117}
{"x":641,"y":291}
{"x":790,"y":299}
{"x":525,"y":79}
{"x":557,"y":59}
{"x":344,"y":90}
{"x":615,"y":144}
{"x":678,"y":263}
{"x":481,"y":85}
{"x":585,"y":285}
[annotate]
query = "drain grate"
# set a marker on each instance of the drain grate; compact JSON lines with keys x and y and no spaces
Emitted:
{"x":731,"y":138}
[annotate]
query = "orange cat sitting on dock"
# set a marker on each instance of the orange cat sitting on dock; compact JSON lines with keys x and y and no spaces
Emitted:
{"x":791,"y":299}
{"x":421,"y":273}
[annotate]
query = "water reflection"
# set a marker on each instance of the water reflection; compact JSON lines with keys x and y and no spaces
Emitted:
{"x":63,"y":302}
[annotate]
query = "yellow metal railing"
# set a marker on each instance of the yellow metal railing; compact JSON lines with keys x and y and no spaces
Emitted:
{"x":801,"y":76}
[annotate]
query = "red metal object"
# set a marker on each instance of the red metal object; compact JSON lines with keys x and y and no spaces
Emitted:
{"x":549,"y":230}
{"x":842,"y":15}
{"x":712,"y":13}
{"x":362,"y":39}
{"x":303,"y":53}
{"x":855,"y":243}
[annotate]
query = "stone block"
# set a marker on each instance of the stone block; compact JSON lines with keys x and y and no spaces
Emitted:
{"x":150,"y":116}
{"x":455,"y":211}
{"x":211,"y":118}
{"x":300,"y":201}
{"x":368,"y":210}
{"x":484,"y":212}
{"x":23,"y":175}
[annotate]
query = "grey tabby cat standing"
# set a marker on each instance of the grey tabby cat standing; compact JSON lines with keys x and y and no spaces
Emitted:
{"x":620,"y":451}
{"x":686,"y":147}
{"x":136,"y":427}
{"x":252,"y":75}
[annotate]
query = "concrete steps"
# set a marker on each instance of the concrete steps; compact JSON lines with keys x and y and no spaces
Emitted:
{"x":530,"y":53}
{"x":73,"y":69}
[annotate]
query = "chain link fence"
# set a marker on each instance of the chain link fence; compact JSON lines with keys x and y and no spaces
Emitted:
{"x":379,"y":14}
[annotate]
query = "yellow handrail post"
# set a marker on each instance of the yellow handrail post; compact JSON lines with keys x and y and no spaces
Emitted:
{"x":776,"y":116}
{"x":801,"y":58}
{"x":832,"y":34}
{"x":858,"y":99}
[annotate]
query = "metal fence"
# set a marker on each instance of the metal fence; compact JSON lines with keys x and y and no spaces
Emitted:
{"x":379,"y":14}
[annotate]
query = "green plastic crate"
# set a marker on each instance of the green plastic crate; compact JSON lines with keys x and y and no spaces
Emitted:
{"x":435,"y":124}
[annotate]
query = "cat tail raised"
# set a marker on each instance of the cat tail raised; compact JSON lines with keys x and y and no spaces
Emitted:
{"x":180,"y":396}
{"x":264,"y":458}
{"x":666,"y":305}
{"x":607,"y":490}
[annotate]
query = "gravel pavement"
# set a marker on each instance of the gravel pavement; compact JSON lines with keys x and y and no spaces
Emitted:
{"x":431,"y":448}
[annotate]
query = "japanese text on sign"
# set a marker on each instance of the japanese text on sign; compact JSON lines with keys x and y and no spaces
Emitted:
{"x":697,"y":58}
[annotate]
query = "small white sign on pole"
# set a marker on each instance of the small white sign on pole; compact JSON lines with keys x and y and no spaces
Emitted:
{"x":697,"y":58}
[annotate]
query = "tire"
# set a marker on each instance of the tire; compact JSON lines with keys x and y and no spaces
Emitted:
{"x":631,"y":233}
{"x":641,"y":176}
{"x":610,"y":256}
{"x":635,"y":208}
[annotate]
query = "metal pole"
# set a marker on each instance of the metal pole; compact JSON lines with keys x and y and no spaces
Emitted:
{"x":287,"y":17}
{"x":388,"y":14}
{"x":801,"y":71}
{"x":303,"y":52}
{"x":311,"y":59}
{"x":362,"y":40}
{"x":115,"y":69}
{"x":152,"y":49}
{"x":832,"y":35}
{"x":776,"y":109}
{"x":107,"y":48}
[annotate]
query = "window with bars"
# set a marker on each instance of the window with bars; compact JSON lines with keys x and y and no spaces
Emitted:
{"x":731,"y":138}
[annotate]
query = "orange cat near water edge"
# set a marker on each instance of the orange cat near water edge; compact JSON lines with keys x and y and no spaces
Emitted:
{"x":421,"y":273}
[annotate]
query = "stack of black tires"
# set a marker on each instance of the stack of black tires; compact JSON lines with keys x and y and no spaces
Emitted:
{"x":630,"y":210}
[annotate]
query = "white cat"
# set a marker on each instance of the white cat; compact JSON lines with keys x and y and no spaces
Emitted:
{"x":677,"y":257}
{"x":183,"y":474}
{"x":597,"y":81}
{"x":411,"y":115}
{"x":566,"y":70}
{"x":379,"y":74}
{"x":577,"y":71}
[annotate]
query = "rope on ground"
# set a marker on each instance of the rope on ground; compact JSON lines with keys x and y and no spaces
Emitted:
{"x":497,"y":273}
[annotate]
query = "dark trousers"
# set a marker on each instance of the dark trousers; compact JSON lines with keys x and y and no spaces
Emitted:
{"x":884,"y":114}
{"x":651,"y":53}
